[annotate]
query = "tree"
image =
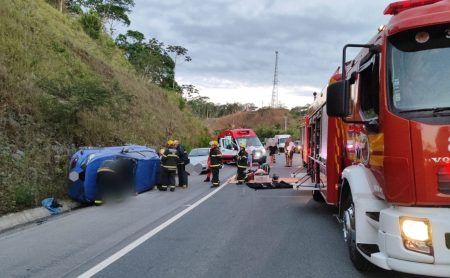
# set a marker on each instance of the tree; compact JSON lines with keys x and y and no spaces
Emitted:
{"x":148,"y":58}
{"x":110,"y":11}
{"x":74,"y":6}
{"x":177,"y":51}
{"x":190,"y":91}
{"x":250,"y":107}
{"x":299,"y":110}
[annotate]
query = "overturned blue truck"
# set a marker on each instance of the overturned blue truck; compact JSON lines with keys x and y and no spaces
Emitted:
{"x":139,"y":164}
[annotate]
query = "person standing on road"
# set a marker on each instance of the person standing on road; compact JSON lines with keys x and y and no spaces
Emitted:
{"x":241,"y":162}
{"x":169,"y":162}
{"x":208,"y":167}
{"x":272,"y":151}
{"x":181,"y":166}
{"x":290,"y":150}
{"x":286,"y":151}
{"x":250,"y":150}
{"x":216,"y":163}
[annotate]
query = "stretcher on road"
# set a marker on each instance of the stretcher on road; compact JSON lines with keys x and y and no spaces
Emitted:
{"x":297,"y":180}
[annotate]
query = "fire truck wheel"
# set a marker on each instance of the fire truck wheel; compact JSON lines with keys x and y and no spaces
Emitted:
{"x":317,"y":196}
{"x":357,"y":259}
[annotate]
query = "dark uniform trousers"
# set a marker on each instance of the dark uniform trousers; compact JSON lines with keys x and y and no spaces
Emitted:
{"x":216,"y":163}
{"x":182,"y":175}
{"x":167,"y":177}
{"x":215,"y":176}
{"x":241,"y":174}
{"x":241,"y":165}
{"x":181,"y":166}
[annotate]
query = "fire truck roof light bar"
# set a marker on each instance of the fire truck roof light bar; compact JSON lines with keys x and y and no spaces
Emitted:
{"x":396,"y":7}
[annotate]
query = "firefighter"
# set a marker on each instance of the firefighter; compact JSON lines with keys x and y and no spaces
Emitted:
{"x":216,"y":163}
{"x":181,"y":166}
{"x":241,"y":161}
{"x":208,"y":168}
{"x":169,"y":162}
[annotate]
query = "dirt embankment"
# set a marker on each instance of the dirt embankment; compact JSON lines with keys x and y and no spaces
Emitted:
{"x":262,"y":118}
{"x":60,"y":89}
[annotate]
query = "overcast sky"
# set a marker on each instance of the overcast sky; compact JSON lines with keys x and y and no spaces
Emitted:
{"x":232,"y":43}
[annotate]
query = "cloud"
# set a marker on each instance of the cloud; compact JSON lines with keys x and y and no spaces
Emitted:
{"x":233,"y":42}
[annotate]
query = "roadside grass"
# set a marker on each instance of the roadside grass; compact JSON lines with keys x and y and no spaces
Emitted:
{"x":60,"y":89}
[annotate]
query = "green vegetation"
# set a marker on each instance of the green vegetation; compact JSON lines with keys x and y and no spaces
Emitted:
{"x":270,"y":132}
{"x":60,"y":89}
{"x":92,"y":24}
{"x":150,"y":59}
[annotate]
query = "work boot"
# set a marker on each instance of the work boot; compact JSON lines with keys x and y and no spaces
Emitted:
{"x":163,"y":188}
{"x":172,"y":188}
{"x":207,"y":179}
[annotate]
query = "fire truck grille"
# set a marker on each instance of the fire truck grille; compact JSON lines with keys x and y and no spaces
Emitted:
{"x":444,"y":181}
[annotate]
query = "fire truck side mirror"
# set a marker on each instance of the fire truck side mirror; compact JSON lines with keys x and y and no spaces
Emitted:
{"x":338,"y":99}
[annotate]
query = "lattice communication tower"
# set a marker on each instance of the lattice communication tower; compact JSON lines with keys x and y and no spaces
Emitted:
{"x":274,"y":102}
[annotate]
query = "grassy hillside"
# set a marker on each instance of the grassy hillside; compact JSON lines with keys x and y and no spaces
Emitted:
{"x":60,"y":89}
{"x":259,"y":120}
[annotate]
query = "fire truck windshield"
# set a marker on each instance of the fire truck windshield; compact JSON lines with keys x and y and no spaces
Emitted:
{"x":419,"y":70}
{"x":249,"y":141}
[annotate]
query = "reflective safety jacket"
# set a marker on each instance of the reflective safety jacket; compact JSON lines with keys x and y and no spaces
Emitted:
{"x":241,"y":159}
{"x":170,"y":159}
{"x":216,"y":158}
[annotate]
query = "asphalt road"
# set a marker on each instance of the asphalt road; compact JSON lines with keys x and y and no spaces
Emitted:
{"x":238,"y":232}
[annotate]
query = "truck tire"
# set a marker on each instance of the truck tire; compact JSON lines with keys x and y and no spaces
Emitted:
{"x":317,"y":196}
{"x":358,"y":260}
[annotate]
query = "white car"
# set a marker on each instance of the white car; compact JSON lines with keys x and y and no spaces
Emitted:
{"x":199,"y":156}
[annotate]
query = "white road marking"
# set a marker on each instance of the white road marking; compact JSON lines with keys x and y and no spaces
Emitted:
{"x":119,"y":254}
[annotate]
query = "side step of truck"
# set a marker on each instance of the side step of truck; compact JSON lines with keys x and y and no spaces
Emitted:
{"x":307,"y":186}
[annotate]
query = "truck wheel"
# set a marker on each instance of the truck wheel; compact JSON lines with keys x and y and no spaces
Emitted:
{"x":317,"y":196}
{"x":358,"y":260}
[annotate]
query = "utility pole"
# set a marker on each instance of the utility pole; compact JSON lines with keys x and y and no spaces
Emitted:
{"x":285,"y":123}
{"x":274,"y":103}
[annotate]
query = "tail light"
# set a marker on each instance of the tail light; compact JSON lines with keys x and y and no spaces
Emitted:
{"x":396,"y":7}
{"x":444,"y":180}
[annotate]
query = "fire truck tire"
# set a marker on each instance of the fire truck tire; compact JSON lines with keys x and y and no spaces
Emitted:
{"x":317,"y":196}
{"x":358,"y":260}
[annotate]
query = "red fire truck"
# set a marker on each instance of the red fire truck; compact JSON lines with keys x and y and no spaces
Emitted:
{"x":378,"y":143}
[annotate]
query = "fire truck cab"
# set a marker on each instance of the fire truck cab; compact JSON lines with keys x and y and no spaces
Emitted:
{"x":378,"y":143}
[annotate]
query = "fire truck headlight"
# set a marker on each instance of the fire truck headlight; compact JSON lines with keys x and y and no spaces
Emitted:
{"x":416,"y":234}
